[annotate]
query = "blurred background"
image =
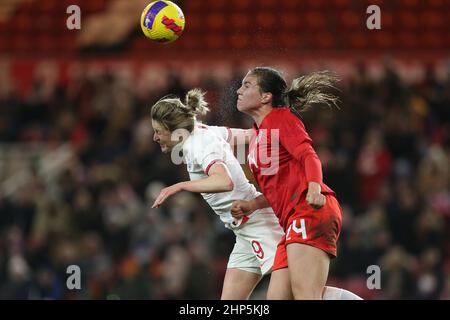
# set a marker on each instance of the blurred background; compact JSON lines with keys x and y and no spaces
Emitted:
{"x":79,"y":169}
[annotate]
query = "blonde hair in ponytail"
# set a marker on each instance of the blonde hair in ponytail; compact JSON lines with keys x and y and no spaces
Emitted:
{"x":312,"y":89}
{"x":195,"y":101}
{"x":173,"y":114}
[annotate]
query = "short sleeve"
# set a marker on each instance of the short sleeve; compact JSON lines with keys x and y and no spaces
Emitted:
{"x":223,"y":132}
{"x":205,"y":149}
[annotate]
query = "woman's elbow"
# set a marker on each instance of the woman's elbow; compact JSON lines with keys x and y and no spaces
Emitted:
{"x":229,"y":185}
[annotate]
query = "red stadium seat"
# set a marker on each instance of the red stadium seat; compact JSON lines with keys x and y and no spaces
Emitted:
{"x":45,"y":43}
{"x":269,"y":4}
{"x":214,"y":41}
{"x":264,"y":41}
{"x":408,"y":4}
{"x":407,"y":40}
{"x":356,"y":40}
{"x":290,"y":20}
{"x":388,"y":20}
{"x":341,"y":4}
{"x":432,"y":20}
{"x":43,"y":24}
{"x":48,"y":7}
{"x":266,"y":20}
{"x":215,"y":21}
{"x":21,"y":44}
{"x":194,"y":24}
{"x":431,"y":40}
{"x":383,"y":40}
{"x":66,"y":44}
{"x":438,"y":4}
{"x":408,"y":21}
{"x":217,"y":5}
{"x":293,"y":5}
{"x":193,"y":6}
{"x":351,"y":20}
{"x":366,"y":3}
{"x":21,"y":23}
{"x":97,"y":5}
{"x":315,"y":20}
{"x":239,"y":21}
{"x":288,"y":40}
{"x":307,"y":6}
{"x":239,"y":5}
{"x":323,"y":40}
{"x":239,"y":40}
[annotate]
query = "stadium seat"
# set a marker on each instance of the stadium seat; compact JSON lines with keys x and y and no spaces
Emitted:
{"x":315,"y":20}
{"x":407,"y":40}
{"x":323,"y":40}
{"x":431,"y":40}
{"x":239,"y":21}
{"x":239,"y":40}
{"x":341,"y":4}
{"x":350,"y":20}
{"x":269,"y":4}
{"x":432,"y":20}
{"x":266,"y":20}
{"x":408,"y":4}
{"x":408,"y":21}
{"x":217,"y":5}
{"x":289,"y":20}
{"x":383,"y":40}
{"x":215,"y":21}
{"x":356,"y":40}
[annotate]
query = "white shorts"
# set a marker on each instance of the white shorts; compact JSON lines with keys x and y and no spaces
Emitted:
{"x":256,"y":243}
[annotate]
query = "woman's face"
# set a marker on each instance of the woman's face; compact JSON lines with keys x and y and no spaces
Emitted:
{"x":249,"y":94}
{"x":163,"y":137}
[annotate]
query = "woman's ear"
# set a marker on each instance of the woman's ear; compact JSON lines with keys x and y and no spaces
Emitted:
{"x":266,"y":97}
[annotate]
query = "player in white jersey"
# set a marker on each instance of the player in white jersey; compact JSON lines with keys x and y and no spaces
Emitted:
{"x":217,"y":175}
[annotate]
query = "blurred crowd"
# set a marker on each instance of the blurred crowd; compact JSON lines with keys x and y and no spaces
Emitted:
{"x":385,"y":153}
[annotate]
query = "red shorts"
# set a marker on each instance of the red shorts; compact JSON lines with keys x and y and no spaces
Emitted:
{"x":318,"y":228}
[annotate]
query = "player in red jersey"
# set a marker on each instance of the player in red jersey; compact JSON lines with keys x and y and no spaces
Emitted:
{"x":289,"y":174}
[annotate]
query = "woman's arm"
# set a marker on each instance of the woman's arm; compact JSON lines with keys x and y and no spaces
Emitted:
{"x":295,"y":139}
{"x":219,"y":180}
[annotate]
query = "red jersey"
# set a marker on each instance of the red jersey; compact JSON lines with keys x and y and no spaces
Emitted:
{"x":283,"y":161}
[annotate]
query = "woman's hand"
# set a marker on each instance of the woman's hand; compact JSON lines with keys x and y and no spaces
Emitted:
{"x":314,"y":198}
{"x":166,"y":193}
{"x":241,"y":208}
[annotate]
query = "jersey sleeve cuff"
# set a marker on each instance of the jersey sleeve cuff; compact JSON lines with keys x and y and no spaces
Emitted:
{"x":211,"y":164}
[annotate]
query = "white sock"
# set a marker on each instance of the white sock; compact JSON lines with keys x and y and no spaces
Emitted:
{"x":332,"y":293}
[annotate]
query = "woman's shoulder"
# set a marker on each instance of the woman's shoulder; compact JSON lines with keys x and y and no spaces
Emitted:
{"x":285,"y":114}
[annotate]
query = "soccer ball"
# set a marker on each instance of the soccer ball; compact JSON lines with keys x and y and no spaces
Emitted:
{"x":162,"y":21}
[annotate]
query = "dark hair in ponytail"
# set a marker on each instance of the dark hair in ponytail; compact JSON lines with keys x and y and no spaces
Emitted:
{"x":312,"y":89}
{"x":306,"y":91}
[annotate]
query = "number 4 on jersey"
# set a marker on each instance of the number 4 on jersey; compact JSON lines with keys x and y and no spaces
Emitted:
{"x":297,"y":228}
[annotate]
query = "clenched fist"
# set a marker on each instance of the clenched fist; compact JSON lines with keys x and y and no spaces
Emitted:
{"x":314,"y":198}
{"x":241,"y":208}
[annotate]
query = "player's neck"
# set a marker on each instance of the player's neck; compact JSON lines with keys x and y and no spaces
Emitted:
{"x":259,"y":114}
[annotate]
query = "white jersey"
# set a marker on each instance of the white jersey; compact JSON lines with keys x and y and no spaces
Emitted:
{"x":206,"y":146}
